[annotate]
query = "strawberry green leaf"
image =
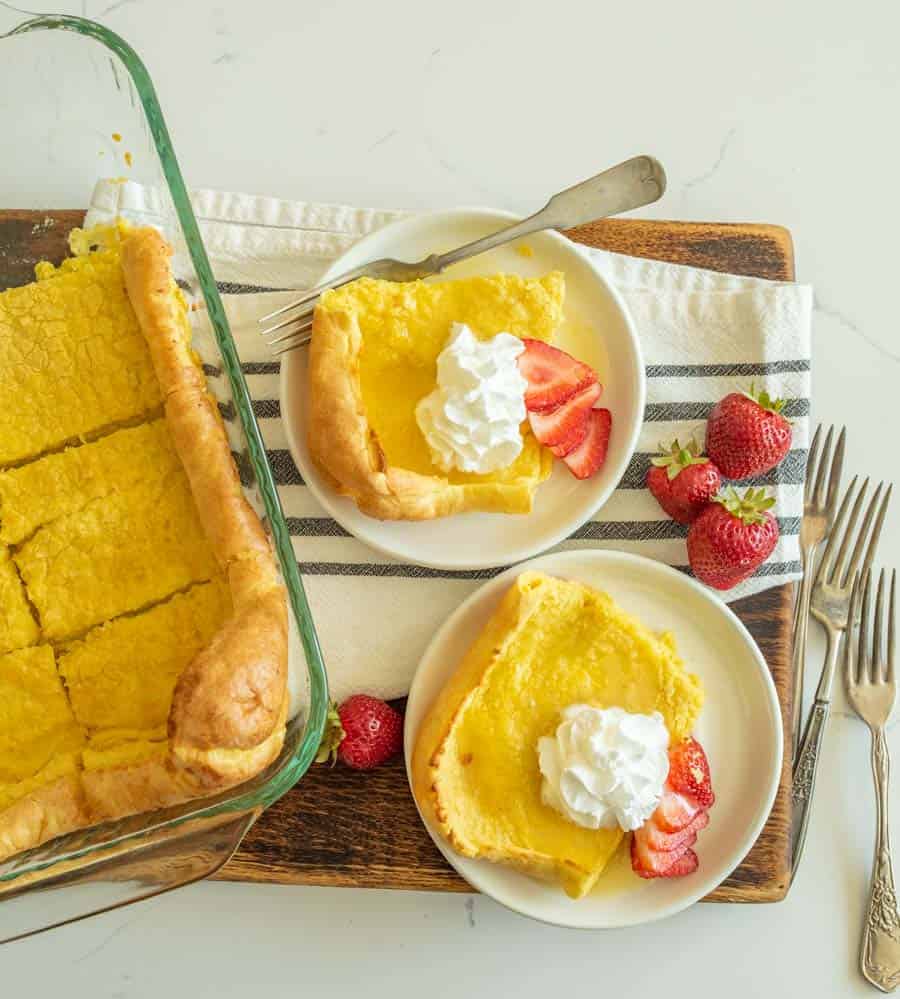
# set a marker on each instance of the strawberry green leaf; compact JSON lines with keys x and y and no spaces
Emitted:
{"x":749,"y":508}
{"x":332,"y":737}
{"x":764,"y":400}
{"x":676,"y":457}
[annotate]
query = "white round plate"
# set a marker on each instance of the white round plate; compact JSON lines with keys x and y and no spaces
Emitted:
{"x":739,"y":727}
{"x":596,"y":328}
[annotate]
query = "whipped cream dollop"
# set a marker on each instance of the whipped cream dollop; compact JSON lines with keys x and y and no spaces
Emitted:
{"x":471,"y":420}
{"x":605,"y":766}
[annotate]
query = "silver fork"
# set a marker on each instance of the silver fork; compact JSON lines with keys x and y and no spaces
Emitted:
{"x":632,"y":184}
{"x":831,"y":606}
{"x":823,"y":477}
{"x":870,"y":682}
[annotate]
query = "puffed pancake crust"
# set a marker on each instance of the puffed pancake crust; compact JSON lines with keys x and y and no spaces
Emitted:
{"x":550,"y":643}
{"x":142,"y":618}
{"x":373,"y":356}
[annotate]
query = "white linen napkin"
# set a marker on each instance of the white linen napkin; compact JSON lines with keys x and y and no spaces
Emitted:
{"x":703,"y":334}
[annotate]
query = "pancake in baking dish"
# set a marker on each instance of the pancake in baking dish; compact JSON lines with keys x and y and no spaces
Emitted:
{"x":118,"y":554}
{"x":121,"y":676}
{"x":17,"y":625}
{"x":136,"y":582}
{"x":40,"y":751}
{"x":549,"y":644}
{"x":73,"y":358}
{"x":39,"y":492}
{"x":373,"y":357}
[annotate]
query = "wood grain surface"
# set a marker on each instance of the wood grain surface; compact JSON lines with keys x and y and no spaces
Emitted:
{"x":343,"y":828}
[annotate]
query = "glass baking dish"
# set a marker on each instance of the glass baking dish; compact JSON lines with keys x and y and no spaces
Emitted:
{"x":78,"y":104}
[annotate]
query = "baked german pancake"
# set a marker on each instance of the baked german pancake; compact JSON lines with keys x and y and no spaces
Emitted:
{"x":374,"y":356}
{"x":142,"y":617}
{"x":558,"y":666}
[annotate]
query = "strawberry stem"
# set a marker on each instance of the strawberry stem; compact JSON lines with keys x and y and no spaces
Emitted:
{"x":764,"y":400}
{"x":676,"y":457}
{"x":749,"y":508}
{"x":332,"y":736}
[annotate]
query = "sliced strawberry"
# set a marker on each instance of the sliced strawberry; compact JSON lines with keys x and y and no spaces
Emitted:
{"x":591,"y":452}
{"x":675,"y":812}
{"x":663,"y":842}
{"x":689,"y":772}
{"x":566,"y":425}
{"x":553,"y":376}
{"x":649,"y":863}
{"x":687,"y":863}
{"x":561,"y":450}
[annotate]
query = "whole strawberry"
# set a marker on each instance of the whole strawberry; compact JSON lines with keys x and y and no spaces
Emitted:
{"x":732,"y":537}
{"x":746,"y":434}
{"x":363,"y":732}
{"x":683,"y":481}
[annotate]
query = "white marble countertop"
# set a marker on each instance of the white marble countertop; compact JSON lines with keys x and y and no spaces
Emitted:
{"x":782,"y":115}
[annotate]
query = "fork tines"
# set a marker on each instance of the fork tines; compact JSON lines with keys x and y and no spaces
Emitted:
{"x":298,"y":326}
{"x":824,"y":477}
{"x":862,"y":667}
{"x":839,"y":565}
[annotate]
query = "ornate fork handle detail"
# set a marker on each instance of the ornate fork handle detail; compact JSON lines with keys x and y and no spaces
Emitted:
{"x":880,"y":955}
{"x":805,"y":777}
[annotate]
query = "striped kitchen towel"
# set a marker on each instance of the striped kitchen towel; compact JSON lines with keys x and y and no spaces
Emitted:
{"x":703,"y":335}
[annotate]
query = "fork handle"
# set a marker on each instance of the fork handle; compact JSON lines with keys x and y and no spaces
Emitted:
{"x":880,"y":951}
{"x":804,"y":780}
{"x":632,"y":184}
{"x":798,"y":654}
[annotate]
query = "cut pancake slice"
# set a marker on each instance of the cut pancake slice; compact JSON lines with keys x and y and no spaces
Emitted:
{"x":119,"y":553}
{"x":38,"y":724}
{"x":72,"y":356}
{"x":550,"y":643}
{"x":17,"y":625}
{"x":58,"y":484}
{"x":40,"y":746}
{"x":373,"y":357}
{"x":121,"y":675}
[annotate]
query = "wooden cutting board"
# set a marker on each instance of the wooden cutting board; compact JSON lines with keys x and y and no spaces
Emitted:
{"x":343,"y":828}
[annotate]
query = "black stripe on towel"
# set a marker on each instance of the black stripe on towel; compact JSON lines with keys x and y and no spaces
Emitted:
{"x":283,"y":468}
{"x":267,"y":409}
{"x":659,"y":411}
{"x":260,"y":367}
{"x":610,"y":530}
{"x":653,"y":370}
{"x":396,"y":570}
{"x":236,"y":288}
{"x":739,"y":370}
{"x":788,"y":473}
{"x":403,"y":571}
{"x":766,"y":569}
{"x":655,"y":412}
{"x":315,"y":527}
